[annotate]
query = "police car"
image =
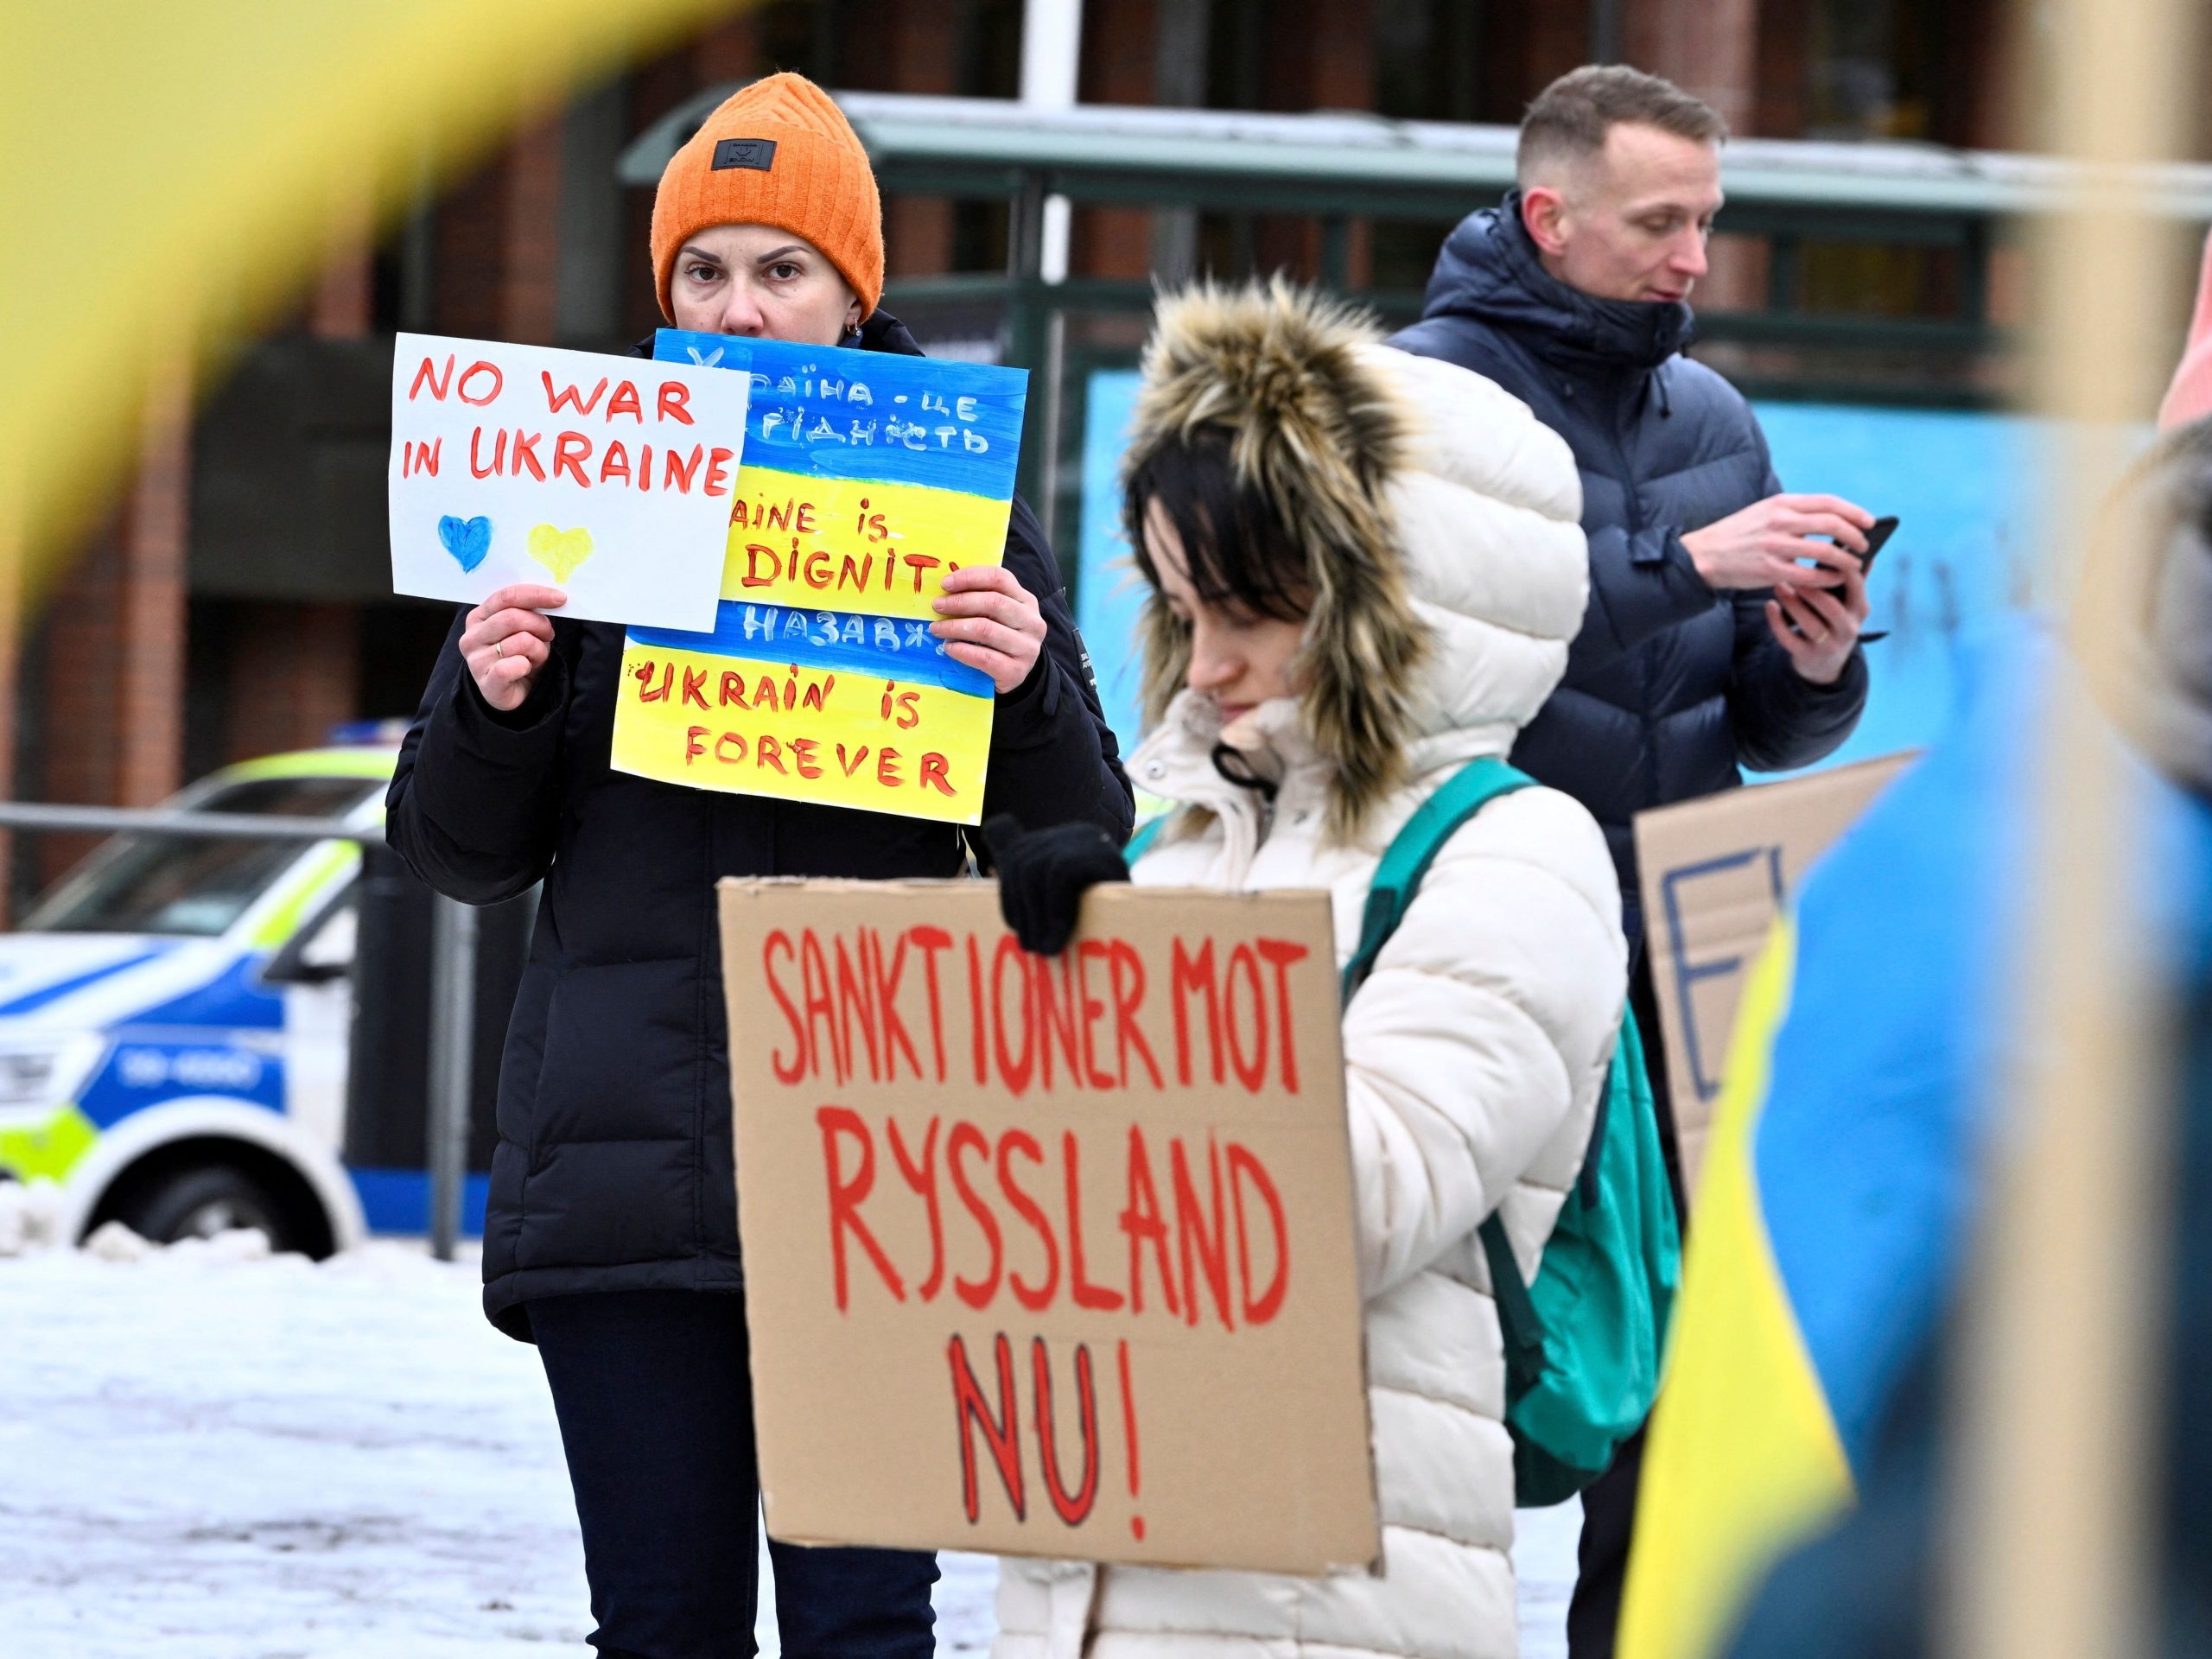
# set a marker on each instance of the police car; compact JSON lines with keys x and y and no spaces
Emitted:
{"x":175,"y":1017}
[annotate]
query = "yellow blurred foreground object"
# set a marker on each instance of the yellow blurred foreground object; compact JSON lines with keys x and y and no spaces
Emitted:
{"x":1743,"y":1459}
{"x":172,"y":171}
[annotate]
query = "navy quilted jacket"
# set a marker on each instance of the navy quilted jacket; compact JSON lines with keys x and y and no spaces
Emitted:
{"x":1671,"y":687}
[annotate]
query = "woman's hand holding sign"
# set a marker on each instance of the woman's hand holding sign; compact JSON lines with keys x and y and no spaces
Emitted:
{"x":988,"y":620}
{"x":507,"y":641}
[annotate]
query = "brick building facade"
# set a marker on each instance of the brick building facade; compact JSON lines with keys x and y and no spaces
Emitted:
{"x":235,"y":603}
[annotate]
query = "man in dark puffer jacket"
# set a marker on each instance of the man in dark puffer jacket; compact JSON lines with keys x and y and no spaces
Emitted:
{"x":1707,"y":645}
{"x":1684,"y":672}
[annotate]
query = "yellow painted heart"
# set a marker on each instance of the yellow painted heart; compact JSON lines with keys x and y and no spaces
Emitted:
{"x":559,"y":550}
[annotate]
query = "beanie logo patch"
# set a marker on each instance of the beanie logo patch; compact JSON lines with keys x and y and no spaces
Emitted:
{"x":757,"y":154}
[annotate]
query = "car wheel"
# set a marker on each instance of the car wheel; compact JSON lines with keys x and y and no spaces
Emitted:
{"x":202,"y":1201}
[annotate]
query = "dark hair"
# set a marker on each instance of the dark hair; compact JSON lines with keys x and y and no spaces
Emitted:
{"x":1571,"y":117}
{"x":1239,"y":554}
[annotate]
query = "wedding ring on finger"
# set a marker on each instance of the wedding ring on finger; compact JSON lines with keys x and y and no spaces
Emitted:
{"x":499,"y":647}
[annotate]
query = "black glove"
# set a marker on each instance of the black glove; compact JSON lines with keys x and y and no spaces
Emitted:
{"x":1043,"y":875}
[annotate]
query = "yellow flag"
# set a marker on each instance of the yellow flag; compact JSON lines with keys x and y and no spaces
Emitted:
{"x":176,"y":170}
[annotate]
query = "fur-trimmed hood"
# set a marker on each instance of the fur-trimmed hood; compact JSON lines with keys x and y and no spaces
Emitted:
{"x":1440,"y":523}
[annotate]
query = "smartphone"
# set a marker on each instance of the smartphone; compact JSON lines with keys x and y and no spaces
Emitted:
{"x":1883,"y":530}
{"x":1876,"y":534}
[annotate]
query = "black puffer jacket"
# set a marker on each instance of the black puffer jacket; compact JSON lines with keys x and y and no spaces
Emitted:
{"x":1670,"y":687}
{"x":614,"y":1167}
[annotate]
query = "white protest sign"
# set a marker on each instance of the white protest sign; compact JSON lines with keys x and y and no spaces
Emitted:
{"x":608,"y":477}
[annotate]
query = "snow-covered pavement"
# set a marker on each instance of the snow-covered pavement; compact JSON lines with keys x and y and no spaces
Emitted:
{"x":211,"y":1459}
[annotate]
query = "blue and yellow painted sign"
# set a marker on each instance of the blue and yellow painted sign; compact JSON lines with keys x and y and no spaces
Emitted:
{"x":865,"y":479}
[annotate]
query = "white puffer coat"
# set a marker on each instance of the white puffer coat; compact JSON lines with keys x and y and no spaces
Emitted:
{"x":1474,"y":1055}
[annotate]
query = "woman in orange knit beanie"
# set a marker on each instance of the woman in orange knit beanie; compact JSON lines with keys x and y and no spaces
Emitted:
{"x":610,"y":1235}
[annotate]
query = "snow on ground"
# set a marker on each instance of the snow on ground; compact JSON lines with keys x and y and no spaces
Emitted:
{"x":210,"y":1453}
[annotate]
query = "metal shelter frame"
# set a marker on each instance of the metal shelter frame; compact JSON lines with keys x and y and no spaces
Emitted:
{"x":1339,"y":168}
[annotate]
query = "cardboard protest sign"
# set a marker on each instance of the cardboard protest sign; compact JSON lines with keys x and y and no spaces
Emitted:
{"x":609,"y":478}
{"x":1714,"y":874}
{"x":868,"y":477}
{"x":809,"y":706}
{"x":1049,"y":1256}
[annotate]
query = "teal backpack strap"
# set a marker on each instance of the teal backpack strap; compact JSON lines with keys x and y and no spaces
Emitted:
{"x":1397,"y":879}
{"x":1415,"y":848}
{"x":1518,"y":1322}
{"x":1141,"y":842}
{"x":1582,"y":1345}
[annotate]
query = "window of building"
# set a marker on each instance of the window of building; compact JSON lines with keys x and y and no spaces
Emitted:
{"x":1927,"y":70}
{"x":1870,"y":70}
{"x":1429,"y":58}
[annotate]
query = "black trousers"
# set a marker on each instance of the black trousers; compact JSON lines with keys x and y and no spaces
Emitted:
{"x":655,"y":1409}
{"x":1609,"y":1502}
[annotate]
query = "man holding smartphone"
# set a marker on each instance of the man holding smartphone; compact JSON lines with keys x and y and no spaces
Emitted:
{"x":1724,"y":618}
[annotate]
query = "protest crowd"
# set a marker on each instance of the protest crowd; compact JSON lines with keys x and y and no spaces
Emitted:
{"x":1428,"y":618}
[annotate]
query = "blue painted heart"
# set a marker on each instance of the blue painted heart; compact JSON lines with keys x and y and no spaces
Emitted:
{"x":468,"y":539}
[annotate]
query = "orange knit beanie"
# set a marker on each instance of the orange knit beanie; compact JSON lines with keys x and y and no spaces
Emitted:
{"x":778,"y":152}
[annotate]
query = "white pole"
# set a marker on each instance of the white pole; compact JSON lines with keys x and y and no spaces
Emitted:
{"x":1051,"y":52}
{"x":2059,"y":1431}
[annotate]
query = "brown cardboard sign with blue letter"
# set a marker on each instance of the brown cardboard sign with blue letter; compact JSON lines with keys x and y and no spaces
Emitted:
{"x":1715,"y":873}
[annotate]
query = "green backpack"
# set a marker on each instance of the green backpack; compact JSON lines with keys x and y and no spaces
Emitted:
{"x":1583,"y":1343}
